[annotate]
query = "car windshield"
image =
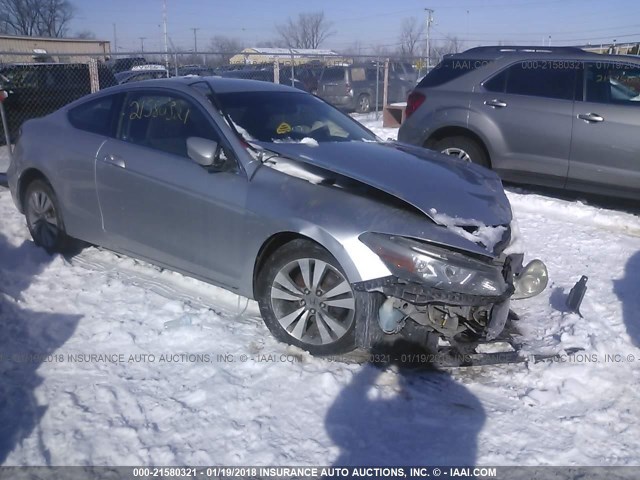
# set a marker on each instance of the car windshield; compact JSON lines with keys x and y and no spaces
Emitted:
{"x":290,"y":117}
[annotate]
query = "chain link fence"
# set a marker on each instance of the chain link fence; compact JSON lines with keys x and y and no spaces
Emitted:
{"x":38,"y":84}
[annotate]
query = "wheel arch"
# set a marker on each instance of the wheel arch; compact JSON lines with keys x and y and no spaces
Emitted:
{"x":341,"y":252}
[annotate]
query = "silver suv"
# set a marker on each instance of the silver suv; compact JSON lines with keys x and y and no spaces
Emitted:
{"x":559,"y":117}
{"x":356,"y":87}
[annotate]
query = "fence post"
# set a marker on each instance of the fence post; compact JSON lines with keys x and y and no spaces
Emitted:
{"x":377,"y":87}
{"x":5,"y":125}
{"x":385,"y":91}
{"x":293,"y":73}
{"x":276,"y":71}
{"x":93,"y":75}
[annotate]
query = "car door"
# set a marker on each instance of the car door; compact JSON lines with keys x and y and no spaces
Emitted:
{"x":159,"y":204}
{"x":526,"y":113}
{"x":605,"y":152}
{"x":93,"y":121}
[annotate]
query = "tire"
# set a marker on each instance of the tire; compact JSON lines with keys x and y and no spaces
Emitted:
{"x":295,"y":314}
{"x":44,"y":219}
{"x":463,"y":148}
{"x":364,"y":103}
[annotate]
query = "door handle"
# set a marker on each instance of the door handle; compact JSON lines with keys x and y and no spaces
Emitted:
{"x":495,"y":103}
{"x":590,"y":117}
{"x":114,"y":160}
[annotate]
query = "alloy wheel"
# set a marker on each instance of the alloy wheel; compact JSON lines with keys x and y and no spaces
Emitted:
{"x":313,"y":301}
{"x":365,"y":103}
{"x":457,"y":152}
{"x":42,"y":218}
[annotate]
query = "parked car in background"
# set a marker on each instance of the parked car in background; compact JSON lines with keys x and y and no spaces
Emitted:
{"x":344,"y":240}
{"x":404,"y":71}
{"x":199,"y":70}
{"x":265,"y":75}
{"x":139,"y":75}
{"x":122,"y":64}
{"x":356,"y":87}
{"x":555,"y":116}
{"x":37,"y":89}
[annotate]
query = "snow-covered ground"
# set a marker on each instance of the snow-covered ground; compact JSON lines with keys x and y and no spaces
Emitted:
{"x":185,"y":373}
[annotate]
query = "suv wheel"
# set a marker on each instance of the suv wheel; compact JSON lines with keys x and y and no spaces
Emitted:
{"x":464,"y":148}
{"x":306,"y":300}
{"x":364,"y":103}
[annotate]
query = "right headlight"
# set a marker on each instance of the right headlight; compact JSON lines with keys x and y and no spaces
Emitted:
{"x":436,"y":267}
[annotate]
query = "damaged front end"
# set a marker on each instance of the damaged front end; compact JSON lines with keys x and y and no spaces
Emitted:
{"x":434,"y":290}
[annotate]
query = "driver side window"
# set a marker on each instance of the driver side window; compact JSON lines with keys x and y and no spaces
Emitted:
{"x":163,"y":121}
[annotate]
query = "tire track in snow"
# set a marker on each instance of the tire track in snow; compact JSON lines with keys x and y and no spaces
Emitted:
{"x":199,"y":295}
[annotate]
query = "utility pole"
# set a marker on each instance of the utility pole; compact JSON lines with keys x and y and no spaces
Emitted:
{"x":195,"y":40}
{"x":429,"y":22}
{"x":115,"y":39}
{"x":142,"y":39}
{"x":166,"y":44}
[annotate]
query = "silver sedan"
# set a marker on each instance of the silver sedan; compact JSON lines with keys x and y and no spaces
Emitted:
{"x":344,"y":240}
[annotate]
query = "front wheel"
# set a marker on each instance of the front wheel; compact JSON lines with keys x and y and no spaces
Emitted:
{"x":306,"y":300}
{"x":463,"y":148}
{"x":44,"y":218}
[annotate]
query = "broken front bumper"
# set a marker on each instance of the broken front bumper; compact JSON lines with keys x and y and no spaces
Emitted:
{"x":408,"y":304}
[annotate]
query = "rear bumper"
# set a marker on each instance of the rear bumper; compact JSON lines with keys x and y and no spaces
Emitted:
{"x":342,"y":101}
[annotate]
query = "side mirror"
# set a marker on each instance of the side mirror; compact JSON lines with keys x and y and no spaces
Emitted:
{"x":204,"y":152}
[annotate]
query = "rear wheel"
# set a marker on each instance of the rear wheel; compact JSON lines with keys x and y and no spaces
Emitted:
{"x":364,"y":103}
{"x":463,"y":148}
{"x":44,"y":218}
{"x":306,"y":300}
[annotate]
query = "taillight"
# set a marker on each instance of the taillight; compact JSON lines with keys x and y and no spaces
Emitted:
{"x":348,"y":89}
{"x":414,"y":101}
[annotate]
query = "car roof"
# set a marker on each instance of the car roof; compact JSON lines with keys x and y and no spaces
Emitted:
{"x":495,"y":52}
{"x":218,"y":84}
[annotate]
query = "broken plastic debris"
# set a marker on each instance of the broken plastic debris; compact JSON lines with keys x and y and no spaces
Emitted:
{"x":574,"y":300}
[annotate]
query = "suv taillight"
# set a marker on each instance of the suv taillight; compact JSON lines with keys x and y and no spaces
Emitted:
{"x":414,"y":101}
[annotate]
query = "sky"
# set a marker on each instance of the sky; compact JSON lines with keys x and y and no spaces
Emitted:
{"x":367,"y":23}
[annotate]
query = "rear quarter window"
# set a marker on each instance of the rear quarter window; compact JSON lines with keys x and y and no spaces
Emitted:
{"x":95,"y":116}
{"x":450,"y":69}
{"x":358,"y":74}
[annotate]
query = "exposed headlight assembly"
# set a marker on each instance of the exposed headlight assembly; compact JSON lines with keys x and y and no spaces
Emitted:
{"x":435,"y":267}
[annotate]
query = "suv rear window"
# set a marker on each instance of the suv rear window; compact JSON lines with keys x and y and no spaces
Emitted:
{"x":450,"y":69}
{"x":333,"y":74}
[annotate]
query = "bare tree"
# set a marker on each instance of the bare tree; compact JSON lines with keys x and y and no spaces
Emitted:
{"x":309,"y":30}
{"x":85,"y":34}
{"x":55,"y":16}
{"x":224,"y":48}
{"x":275,"y":43}
{"x":42,"y":18}
{"x":355,"y":49}
{"x":447,"y":46}
{"x":410,"y":36}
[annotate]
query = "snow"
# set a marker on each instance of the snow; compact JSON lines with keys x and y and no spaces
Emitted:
{"x":310,"y":142}
{"x":486,"y":235}
{"x":189,"y":375}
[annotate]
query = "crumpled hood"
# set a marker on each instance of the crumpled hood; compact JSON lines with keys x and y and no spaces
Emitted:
{"x":427,"y":180}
